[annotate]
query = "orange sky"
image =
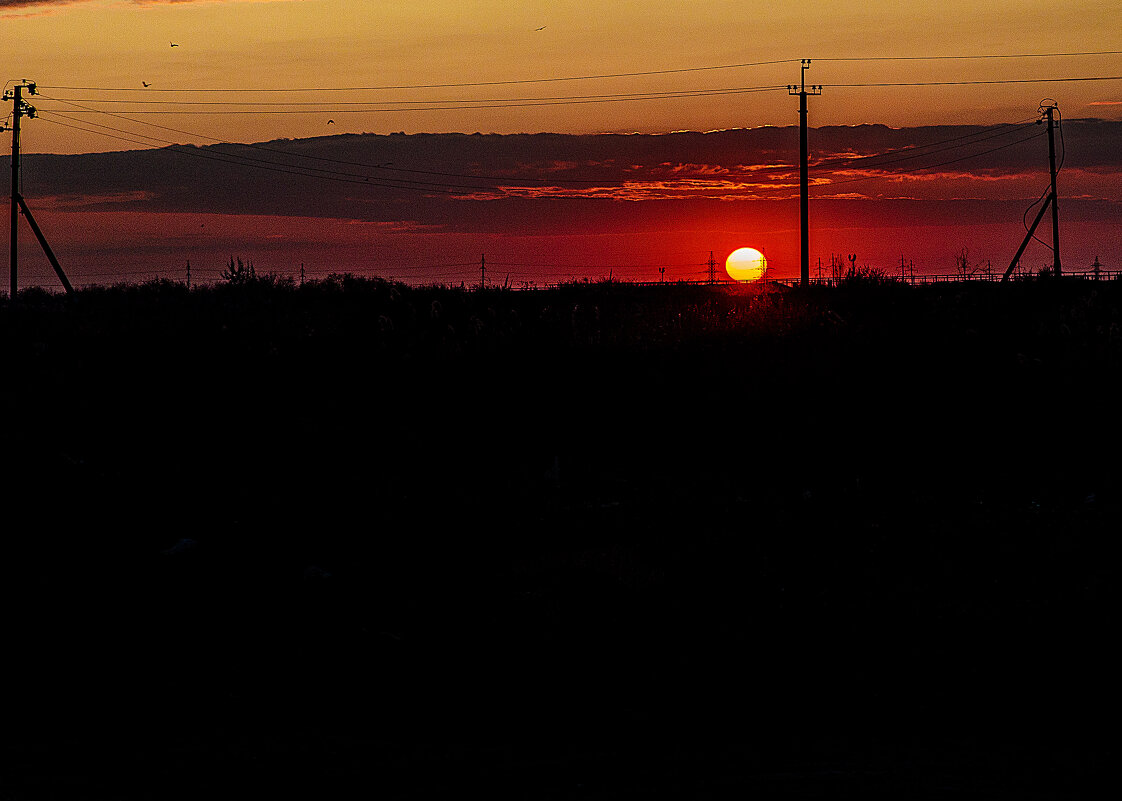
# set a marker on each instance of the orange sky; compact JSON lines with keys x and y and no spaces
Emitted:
{"x":263,"y":70}
{"x":241,"y":45}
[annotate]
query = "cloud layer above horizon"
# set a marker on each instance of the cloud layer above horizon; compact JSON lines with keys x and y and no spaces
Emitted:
{"x":569,"y":202}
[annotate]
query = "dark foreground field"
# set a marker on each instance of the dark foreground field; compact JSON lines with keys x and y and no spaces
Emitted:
{"x":355,"y":540}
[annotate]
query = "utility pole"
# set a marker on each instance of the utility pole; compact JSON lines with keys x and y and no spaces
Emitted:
{"x":482,"y":270}
{"x":21,"y":108}
{"x":804,"y":171}
{"x":712,"y":268}
{"x":188,"y":273}
{"x":1048,"y":109}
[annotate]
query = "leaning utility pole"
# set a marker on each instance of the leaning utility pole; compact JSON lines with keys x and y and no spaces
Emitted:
{"x":21,"y":108}
{"x":804,"y":171}
{"x":1048,"y":109}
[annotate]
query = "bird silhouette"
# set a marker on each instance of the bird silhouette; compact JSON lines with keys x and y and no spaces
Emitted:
{"x":146,"y":83}
{"x":173,"y":44}
{"x":331,"y":122}
{"x":542,"y":28}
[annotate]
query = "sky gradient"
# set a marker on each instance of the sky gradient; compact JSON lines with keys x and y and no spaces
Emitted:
{"x":269,"y":71}
{"x":244,"y":45}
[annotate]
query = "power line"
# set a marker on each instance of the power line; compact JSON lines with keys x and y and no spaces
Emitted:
{"x":457,"y":189}
{"x":508,"y":82}
{"x":975,"y":57}
{"x":1034,"y":135}
{"x":995,"y":81}
{"x":335,"y":103}
{"x":294,"y":154}
{"x":306,"y":172}
{"x":904,"y":153}
{"x":919,"y":151}
{"x":249,"y":107}
{"x":466,"y":105}
{"x":600,"y":76}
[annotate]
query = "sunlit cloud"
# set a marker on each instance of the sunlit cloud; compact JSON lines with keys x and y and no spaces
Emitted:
{"x":635,"y":191}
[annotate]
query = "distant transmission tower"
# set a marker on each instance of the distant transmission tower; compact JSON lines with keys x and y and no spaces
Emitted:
{"x":712,"y":268}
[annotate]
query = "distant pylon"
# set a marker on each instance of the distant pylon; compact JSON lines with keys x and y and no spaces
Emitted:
{"x":712,"y":268}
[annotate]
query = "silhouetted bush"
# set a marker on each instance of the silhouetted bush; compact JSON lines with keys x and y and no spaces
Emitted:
{"x":239,"y":272}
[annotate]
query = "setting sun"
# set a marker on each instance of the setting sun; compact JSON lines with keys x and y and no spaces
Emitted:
{"x":746,"y":264}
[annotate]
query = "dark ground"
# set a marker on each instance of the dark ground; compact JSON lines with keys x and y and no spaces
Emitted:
{"x":355,"y":540}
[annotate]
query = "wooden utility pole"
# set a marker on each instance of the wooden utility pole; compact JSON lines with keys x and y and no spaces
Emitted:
{"x":804,"y":172}
{"x":1048,"y":109}
{"x":21,"y":108}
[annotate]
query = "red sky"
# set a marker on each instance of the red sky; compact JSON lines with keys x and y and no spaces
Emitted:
{"x":547,"y":207}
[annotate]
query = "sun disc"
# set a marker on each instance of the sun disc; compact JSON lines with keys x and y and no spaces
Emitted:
{"x":746,"y":264}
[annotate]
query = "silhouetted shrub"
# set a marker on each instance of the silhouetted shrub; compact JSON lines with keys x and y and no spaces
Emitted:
{"x":239,"y":272}
{"x":865,"y":276}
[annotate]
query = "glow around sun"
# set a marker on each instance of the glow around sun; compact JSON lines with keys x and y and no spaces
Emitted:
{"x":746,"y":264}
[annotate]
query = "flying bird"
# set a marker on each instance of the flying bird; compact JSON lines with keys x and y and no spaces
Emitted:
{"x":146,"y":83}
{"x":542,"y":28}
{"x":331,"y":122}
{"x":173,"y":44}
